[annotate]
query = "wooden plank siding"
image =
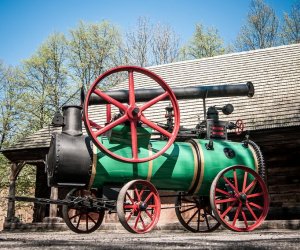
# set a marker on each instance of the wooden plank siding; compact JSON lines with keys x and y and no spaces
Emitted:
{"x":281,"y":148}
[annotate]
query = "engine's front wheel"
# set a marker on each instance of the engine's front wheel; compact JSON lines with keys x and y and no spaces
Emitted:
{"x":79,"y":216}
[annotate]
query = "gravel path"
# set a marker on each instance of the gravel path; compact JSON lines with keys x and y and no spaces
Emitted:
{"x":120,"y":239}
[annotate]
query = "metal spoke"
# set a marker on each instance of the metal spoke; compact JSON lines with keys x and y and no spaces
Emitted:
{"x":235,"y":179}
{"x":131,"y":89}
{"x":110,"y":100}
{"x":111,"y":125}
{"x":130,"y":214}
{"x":245,"y":181}
{"x":188,"y":209}
{"x":74,"y":216}
{"x":94,"y":125}
{"x":137,"y":194}
{"x":256,"y":205}
{"x":143,"y":223}
{"x":255,"y":195}
{"x":91,"y":219}
{"x":128,"y":195}
{"x":226,"y":200}
{"x":192,"y":217}
{"x":222,"y":191}
{"x":150,"y":215}
{"x":245,"y":219}
{"x":198,"y":220}
{"x":78,"y":221}
{"x":250,"y":185}
{"x":137,"y":219}
{"x":153,"y":101}
{"x":237,"y":212}
{"x":230,"y":184}
{"x":86,"y":222}
{"x":251,"y":211}
{"x":128,"y":206}
{"x":227,"y":210}
{"x":206,"y":219}
{"x":134,"y":140}
{"x":149,"y":196}
{"x":155,"y":127}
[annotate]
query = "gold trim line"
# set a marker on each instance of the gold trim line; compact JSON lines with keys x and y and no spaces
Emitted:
{"x":195,"y":168}
{"x":150,"y":167}
{"x":201,"y":168}
{"x":94,"y":165}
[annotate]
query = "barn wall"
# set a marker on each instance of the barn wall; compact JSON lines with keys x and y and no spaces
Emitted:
{"x":281,"y":150}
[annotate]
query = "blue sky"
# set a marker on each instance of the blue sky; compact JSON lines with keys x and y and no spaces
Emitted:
{"x":25,"y":24}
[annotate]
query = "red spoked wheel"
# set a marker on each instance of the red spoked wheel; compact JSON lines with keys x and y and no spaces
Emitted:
{"x":81,"y":218}
{"x":138,"y":206}
{"x":239,"y":198}
{"x":131,"y":113}
{"x":239,"y":126}
{"x":195,"y":213}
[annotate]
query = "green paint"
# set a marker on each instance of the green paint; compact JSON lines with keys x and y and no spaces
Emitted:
{"x":215,"y":160}
{"x":173,"y":170}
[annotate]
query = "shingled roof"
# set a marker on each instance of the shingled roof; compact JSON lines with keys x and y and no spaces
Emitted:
{"x":275,"y":73}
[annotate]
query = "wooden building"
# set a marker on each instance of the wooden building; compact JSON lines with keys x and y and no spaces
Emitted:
{"x":272,"y":118}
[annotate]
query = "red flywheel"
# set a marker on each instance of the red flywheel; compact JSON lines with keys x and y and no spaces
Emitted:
{"x":132,"y":113}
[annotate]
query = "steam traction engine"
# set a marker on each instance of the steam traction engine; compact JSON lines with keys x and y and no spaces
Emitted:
{"x":217,"y":181}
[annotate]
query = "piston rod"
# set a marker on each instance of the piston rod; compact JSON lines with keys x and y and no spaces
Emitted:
{"x":194,"y":92}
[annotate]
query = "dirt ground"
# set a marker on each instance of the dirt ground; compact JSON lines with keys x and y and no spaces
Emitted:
{"x":158,"y":239}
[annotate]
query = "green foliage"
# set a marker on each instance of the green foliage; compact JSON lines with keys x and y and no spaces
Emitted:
{"x":4,"y":172}
{"x":44,"y":82}
{"x":11,"y":115}
{"x":205,"y":43}
{"x":261,"y":29}
{"x":26,"y":181}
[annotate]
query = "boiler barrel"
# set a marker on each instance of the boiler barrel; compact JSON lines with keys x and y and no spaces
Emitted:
{"x":185,"y":166}
{"x":193,"y":92}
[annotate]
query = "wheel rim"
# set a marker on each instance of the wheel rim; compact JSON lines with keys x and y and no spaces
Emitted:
{"x":81,"y":219}
{"x":239,"y":198}
{"x":132,"y":113}
{"x":195,"y":214}
{"x":138,"y":206}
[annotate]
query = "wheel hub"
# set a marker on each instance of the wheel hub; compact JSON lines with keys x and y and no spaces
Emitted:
{"x":143,"y":206}
{"x":133,"y":113}
{"x":243,"y":198}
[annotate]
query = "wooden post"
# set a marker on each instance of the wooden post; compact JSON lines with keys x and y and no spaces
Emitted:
{"x":14,"y":172}
{"x":53,"y":207}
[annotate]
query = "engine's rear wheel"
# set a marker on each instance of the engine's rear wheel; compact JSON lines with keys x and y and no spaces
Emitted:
{"x":239,"y":198}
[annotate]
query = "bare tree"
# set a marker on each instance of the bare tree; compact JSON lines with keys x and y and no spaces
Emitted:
{"x":261,"y":29}
{"x":165,"y":44}
{"x":93,"y":49}
{"x":291,"y":26}
{"x":204,"y":43}
{"x":137,"y":45}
